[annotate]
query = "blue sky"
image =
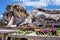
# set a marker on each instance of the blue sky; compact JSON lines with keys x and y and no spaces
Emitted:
{"x":29,"y":4}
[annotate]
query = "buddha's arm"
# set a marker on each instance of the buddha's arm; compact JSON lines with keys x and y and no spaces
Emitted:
{"x":11,"y":21}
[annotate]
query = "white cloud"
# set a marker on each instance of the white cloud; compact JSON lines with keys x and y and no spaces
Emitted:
{"x":57,"y":2}
{"x":43,"y":3}
{"x":1,"y":16}
{"x":36,"y":3}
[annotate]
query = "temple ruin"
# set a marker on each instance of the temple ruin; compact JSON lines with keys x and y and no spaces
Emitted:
{"x":16,"y":15}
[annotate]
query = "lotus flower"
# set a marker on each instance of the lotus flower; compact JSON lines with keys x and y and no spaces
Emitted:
{"x":52,"y":29}
{"x":41,"y":30}
{"x":46,"y":31}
